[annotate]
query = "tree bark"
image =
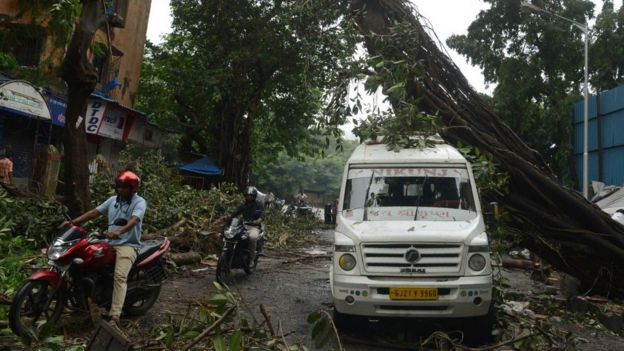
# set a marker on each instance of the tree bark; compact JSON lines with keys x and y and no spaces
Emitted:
{"x":81,"y":78}
{"x":556,"y":223}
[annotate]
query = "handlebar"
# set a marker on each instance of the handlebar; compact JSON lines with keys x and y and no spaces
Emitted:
{"x":97,"y":235}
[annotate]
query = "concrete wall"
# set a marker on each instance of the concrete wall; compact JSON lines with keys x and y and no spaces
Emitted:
{"x":131,"y":41}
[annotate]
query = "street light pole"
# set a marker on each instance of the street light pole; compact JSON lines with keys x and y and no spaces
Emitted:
{"x":585,"y":30}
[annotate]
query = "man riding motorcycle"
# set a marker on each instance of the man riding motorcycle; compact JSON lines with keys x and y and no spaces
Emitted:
{"x":253,"y":214}
{"x":125,"y":213}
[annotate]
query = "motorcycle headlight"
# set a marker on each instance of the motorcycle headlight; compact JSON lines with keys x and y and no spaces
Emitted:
{"x":56,"y":251}
{"x":229,"y":233}
{"x":347,"y":262}
{"x":476,"y":262}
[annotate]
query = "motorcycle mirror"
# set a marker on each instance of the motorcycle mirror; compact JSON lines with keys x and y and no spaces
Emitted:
{"x":66,"y":213}
{"x":120,"y":222}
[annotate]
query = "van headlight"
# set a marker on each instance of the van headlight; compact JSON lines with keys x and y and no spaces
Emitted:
{"x":347,"y":262}
{"x":476,"y":262}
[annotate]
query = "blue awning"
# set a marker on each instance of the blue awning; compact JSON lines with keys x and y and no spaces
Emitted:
{"x":203,"y":166}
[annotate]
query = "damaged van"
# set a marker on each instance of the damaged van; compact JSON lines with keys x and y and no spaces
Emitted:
{"x":410,"y":239}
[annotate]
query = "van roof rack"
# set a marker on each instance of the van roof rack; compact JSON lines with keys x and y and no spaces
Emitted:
{"x":435,"y":138}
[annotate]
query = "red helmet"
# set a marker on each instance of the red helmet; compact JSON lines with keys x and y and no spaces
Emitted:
{"x":130,"y":179}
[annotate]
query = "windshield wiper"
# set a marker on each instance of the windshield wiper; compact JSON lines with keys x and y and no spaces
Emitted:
{"x":419,"y":196}
{"x":370,"y":181}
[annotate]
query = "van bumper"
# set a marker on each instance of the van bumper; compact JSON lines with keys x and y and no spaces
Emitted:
{"x":458,"y":297}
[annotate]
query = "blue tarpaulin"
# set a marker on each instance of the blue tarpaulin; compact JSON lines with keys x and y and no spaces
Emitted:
{"x":203,"y":166}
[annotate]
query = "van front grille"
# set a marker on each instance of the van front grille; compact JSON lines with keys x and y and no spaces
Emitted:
{"x":412,"y":259}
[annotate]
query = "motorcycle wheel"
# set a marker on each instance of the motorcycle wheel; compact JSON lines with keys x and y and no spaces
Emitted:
{"x":28,"y":306}
{"x":141,"y":305}
{"x":224,"y":271}
{"x":251,"y":268}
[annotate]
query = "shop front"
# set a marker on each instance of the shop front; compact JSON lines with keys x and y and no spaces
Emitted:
{"x":25,"y":125}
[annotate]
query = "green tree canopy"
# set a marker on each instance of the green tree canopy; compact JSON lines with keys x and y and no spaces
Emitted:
{"x":238,"y":75}
{"x":537,"y":63}
{"x":285,"y":175}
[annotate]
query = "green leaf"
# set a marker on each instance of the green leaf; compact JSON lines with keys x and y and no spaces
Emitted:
{"x":191,"y":334}
{"x":321,"y":331}
{"x":396,"y":88}
{"x":236,"y":341}
{"x":313,"y":317}
{"x":217,"y":300}
{"x":219,"y":343}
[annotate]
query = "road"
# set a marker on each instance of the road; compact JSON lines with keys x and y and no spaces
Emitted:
{"x":295,"y":283}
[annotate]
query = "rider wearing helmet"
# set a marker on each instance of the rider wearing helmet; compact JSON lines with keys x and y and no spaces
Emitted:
{"x":125,"y":213}
{"x":253,"y":213}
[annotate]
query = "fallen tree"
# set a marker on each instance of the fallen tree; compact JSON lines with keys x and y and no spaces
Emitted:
{"x":556,"y":223}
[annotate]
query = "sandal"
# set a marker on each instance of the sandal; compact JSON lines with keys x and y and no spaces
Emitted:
{"x":114,"y":323}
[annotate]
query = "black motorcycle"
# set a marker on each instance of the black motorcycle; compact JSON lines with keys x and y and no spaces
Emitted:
{"x":235,"y":253}
{"x":297,"y":210}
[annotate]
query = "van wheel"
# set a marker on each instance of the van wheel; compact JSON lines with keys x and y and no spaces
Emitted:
{"x":478,"y":330}
{"x":347,"y":322}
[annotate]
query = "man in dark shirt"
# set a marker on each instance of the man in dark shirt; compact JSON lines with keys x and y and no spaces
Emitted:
{"x":253,"y":213}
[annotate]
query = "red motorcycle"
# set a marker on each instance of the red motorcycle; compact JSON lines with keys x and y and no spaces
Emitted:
{"x":81,"y":269}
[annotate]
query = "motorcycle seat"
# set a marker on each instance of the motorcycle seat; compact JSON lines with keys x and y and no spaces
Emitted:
{"x":148,"y":247}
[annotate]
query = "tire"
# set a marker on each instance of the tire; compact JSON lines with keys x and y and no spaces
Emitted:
{"x":347,"y":322}
{"x":29,"y":300}
{"x":478,"y":330}
{"x":250,"y":269}
{"x":260,"y":245}
{"x":224,"y":271}
{"x":141,"y":305}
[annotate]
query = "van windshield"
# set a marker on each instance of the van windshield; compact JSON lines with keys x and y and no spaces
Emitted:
{"x":431,"y":194}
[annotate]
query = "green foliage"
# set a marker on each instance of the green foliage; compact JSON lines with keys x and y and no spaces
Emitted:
{"x":607,"y":55}
{"x":168,"y":201}
{"x":487,"y":176}
{"x":537,"y":63}
{"x":404,"y":125}
{"x":285,"y":176}
{"x":246,"y":70}
{"x":322,"y":328}
{"x":7,"y":62}
{"x":59,"y":14}
{"x":64,"y":14}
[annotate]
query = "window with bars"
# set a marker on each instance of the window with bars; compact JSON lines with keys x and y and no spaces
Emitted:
{"x":120,"y":7}
{"x":24,"y":42}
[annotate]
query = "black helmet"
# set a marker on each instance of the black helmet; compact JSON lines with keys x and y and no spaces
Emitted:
{"x":251,"y":190}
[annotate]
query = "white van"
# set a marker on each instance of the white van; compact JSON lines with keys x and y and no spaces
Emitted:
{"x":410,"y":238}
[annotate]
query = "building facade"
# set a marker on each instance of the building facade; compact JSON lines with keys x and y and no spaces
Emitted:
{"x":111,"y":120}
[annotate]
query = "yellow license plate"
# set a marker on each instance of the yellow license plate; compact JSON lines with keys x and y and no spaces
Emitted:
{"x":413,"y":293}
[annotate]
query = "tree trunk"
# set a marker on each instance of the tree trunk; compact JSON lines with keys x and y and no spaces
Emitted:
{"x":557,"y":223}
{"x":81,"y":78}
{"x":235,"y":142}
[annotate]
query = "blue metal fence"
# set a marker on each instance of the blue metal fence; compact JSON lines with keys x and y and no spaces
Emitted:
{"x":606,"y":137}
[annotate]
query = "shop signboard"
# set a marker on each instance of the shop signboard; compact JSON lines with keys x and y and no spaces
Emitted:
{"x":95,"y":114}
{"x":57,"y":110}
{"x":22,"y":97}
{"x":113,"y":124}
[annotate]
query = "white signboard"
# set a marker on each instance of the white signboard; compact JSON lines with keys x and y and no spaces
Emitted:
{"x":23,"y":97}
{"x":113,"y":124}
{"x":95,"y":114}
